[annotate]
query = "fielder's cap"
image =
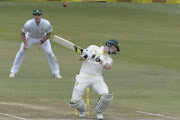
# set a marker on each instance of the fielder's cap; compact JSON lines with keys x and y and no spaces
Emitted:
{"x":114,"y":42}
{"x":37,"y":12}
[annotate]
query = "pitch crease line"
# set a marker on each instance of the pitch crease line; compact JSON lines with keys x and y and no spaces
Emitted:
{"x":12,"y":116}
{"x":156,"y":115}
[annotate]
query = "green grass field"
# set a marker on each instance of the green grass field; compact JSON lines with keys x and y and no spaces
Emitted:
{"x":145,"y":75}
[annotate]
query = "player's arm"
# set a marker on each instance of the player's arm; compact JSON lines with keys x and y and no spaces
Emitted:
{"x":23,"y":37}
{"x":81,"y":58}
{"x":48,"y":31}
{"x":46,"y":37}
{"x":24,"y":30}
{"x":107,"y":66}
{"x":24,"y":40}
{"x":44,"y":40}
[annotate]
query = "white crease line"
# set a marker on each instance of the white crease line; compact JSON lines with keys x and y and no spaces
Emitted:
{"x":157,"y":115}
{"x":12,"y":116}
{"x":23,"y":105}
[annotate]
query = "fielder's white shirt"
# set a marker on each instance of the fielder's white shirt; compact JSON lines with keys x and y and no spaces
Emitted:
{"x":93,"y":67}
{"x":37,"y":31}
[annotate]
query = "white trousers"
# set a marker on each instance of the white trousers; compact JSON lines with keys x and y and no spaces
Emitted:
{"x":47,"y":49}
{"x":83,"y":81}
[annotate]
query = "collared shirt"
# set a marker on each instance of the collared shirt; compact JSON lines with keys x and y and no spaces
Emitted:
{"x":37,"y":31}
{"x":93,"y":67}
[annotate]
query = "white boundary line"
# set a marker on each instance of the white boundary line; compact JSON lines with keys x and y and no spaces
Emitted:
{"x":157,"y":115}
{"x":12,"y":116}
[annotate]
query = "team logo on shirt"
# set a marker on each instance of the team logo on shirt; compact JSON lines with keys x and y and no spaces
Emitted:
{"x":96,"y":52}
{"x":42,"y":28}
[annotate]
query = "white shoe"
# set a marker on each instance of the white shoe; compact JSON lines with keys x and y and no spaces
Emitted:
{"x":57,"y":76}
{"x":99,"y":116}
{"x":82,"y":114}
{"x":12,"y":75}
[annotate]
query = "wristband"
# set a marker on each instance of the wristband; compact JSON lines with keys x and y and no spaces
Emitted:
{"x":42,"y":41}
{"x":104,"y":63}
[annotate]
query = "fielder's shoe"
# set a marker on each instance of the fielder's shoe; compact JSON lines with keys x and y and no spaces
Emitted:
{"x":82,"y":114}
{"x":57,"y":76}
{"x":12,"y":75}
{"x":99,"y":116}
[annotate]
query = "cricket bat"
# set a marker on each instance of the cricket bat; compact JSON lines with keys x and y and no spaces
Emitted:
{"x":67,"y":44}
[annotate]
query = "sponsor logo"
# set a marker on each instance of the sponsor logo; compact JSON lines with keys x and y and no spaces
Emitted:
{"x":123,"y":0}
{"x":158,"y":1}
{"x":78,"y":50}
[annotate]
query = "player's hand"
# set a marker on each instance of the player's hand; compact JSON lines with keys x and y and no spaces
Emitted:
{"x":39,"y":45}
{"x":25,"y":46}
{"x":86,"y":54}
{"x":95,"y":57}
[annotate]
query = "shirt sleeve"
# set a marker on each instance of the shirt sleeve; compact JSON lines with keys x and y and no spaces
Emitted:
{"x":90,"y":48}
{"x":25,"y":28}
{"x":49,"y":28}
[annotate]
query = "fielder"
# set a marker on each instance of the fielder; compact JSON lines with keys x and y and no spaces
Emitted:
{"x":95,"y":59}
{"x":36,"y":30}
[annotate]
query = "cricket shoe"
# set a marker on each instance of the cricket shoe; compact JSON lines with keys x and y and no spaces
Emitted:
{"x":12,"y":75}
{"x":99,"y":116}
{"x":82,"y":114}
{"x":57,"y":76}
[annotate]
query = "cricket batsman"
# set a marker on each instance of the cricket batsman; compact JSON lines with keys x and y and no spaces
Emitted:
{"x":36,"y":31}
{"x":95,"y":59}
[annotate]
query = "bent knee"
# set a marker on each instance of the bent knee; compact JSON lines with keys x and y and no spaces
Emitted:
{"x":104,"y":92}
{"x":74,"y":100}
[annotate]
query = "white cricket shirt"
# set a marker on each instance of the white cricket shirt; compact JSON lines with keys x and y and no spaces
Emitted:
{"x":37,"y":31}
{"x":93,"y":67}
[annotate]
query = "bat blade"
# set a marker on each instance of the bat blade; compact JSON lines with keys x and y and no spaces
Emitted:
{"x":67,"y":44}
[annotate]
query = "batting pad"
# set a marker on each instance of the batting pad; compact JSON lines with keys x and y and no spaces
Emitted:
{"x":103,"y":103}
{"x":80,"y":106}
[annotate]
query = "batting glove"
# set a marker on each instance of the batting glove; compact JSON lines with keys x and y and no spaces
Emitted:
{"x":86,"y":54}
{"x":95,"y":57}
